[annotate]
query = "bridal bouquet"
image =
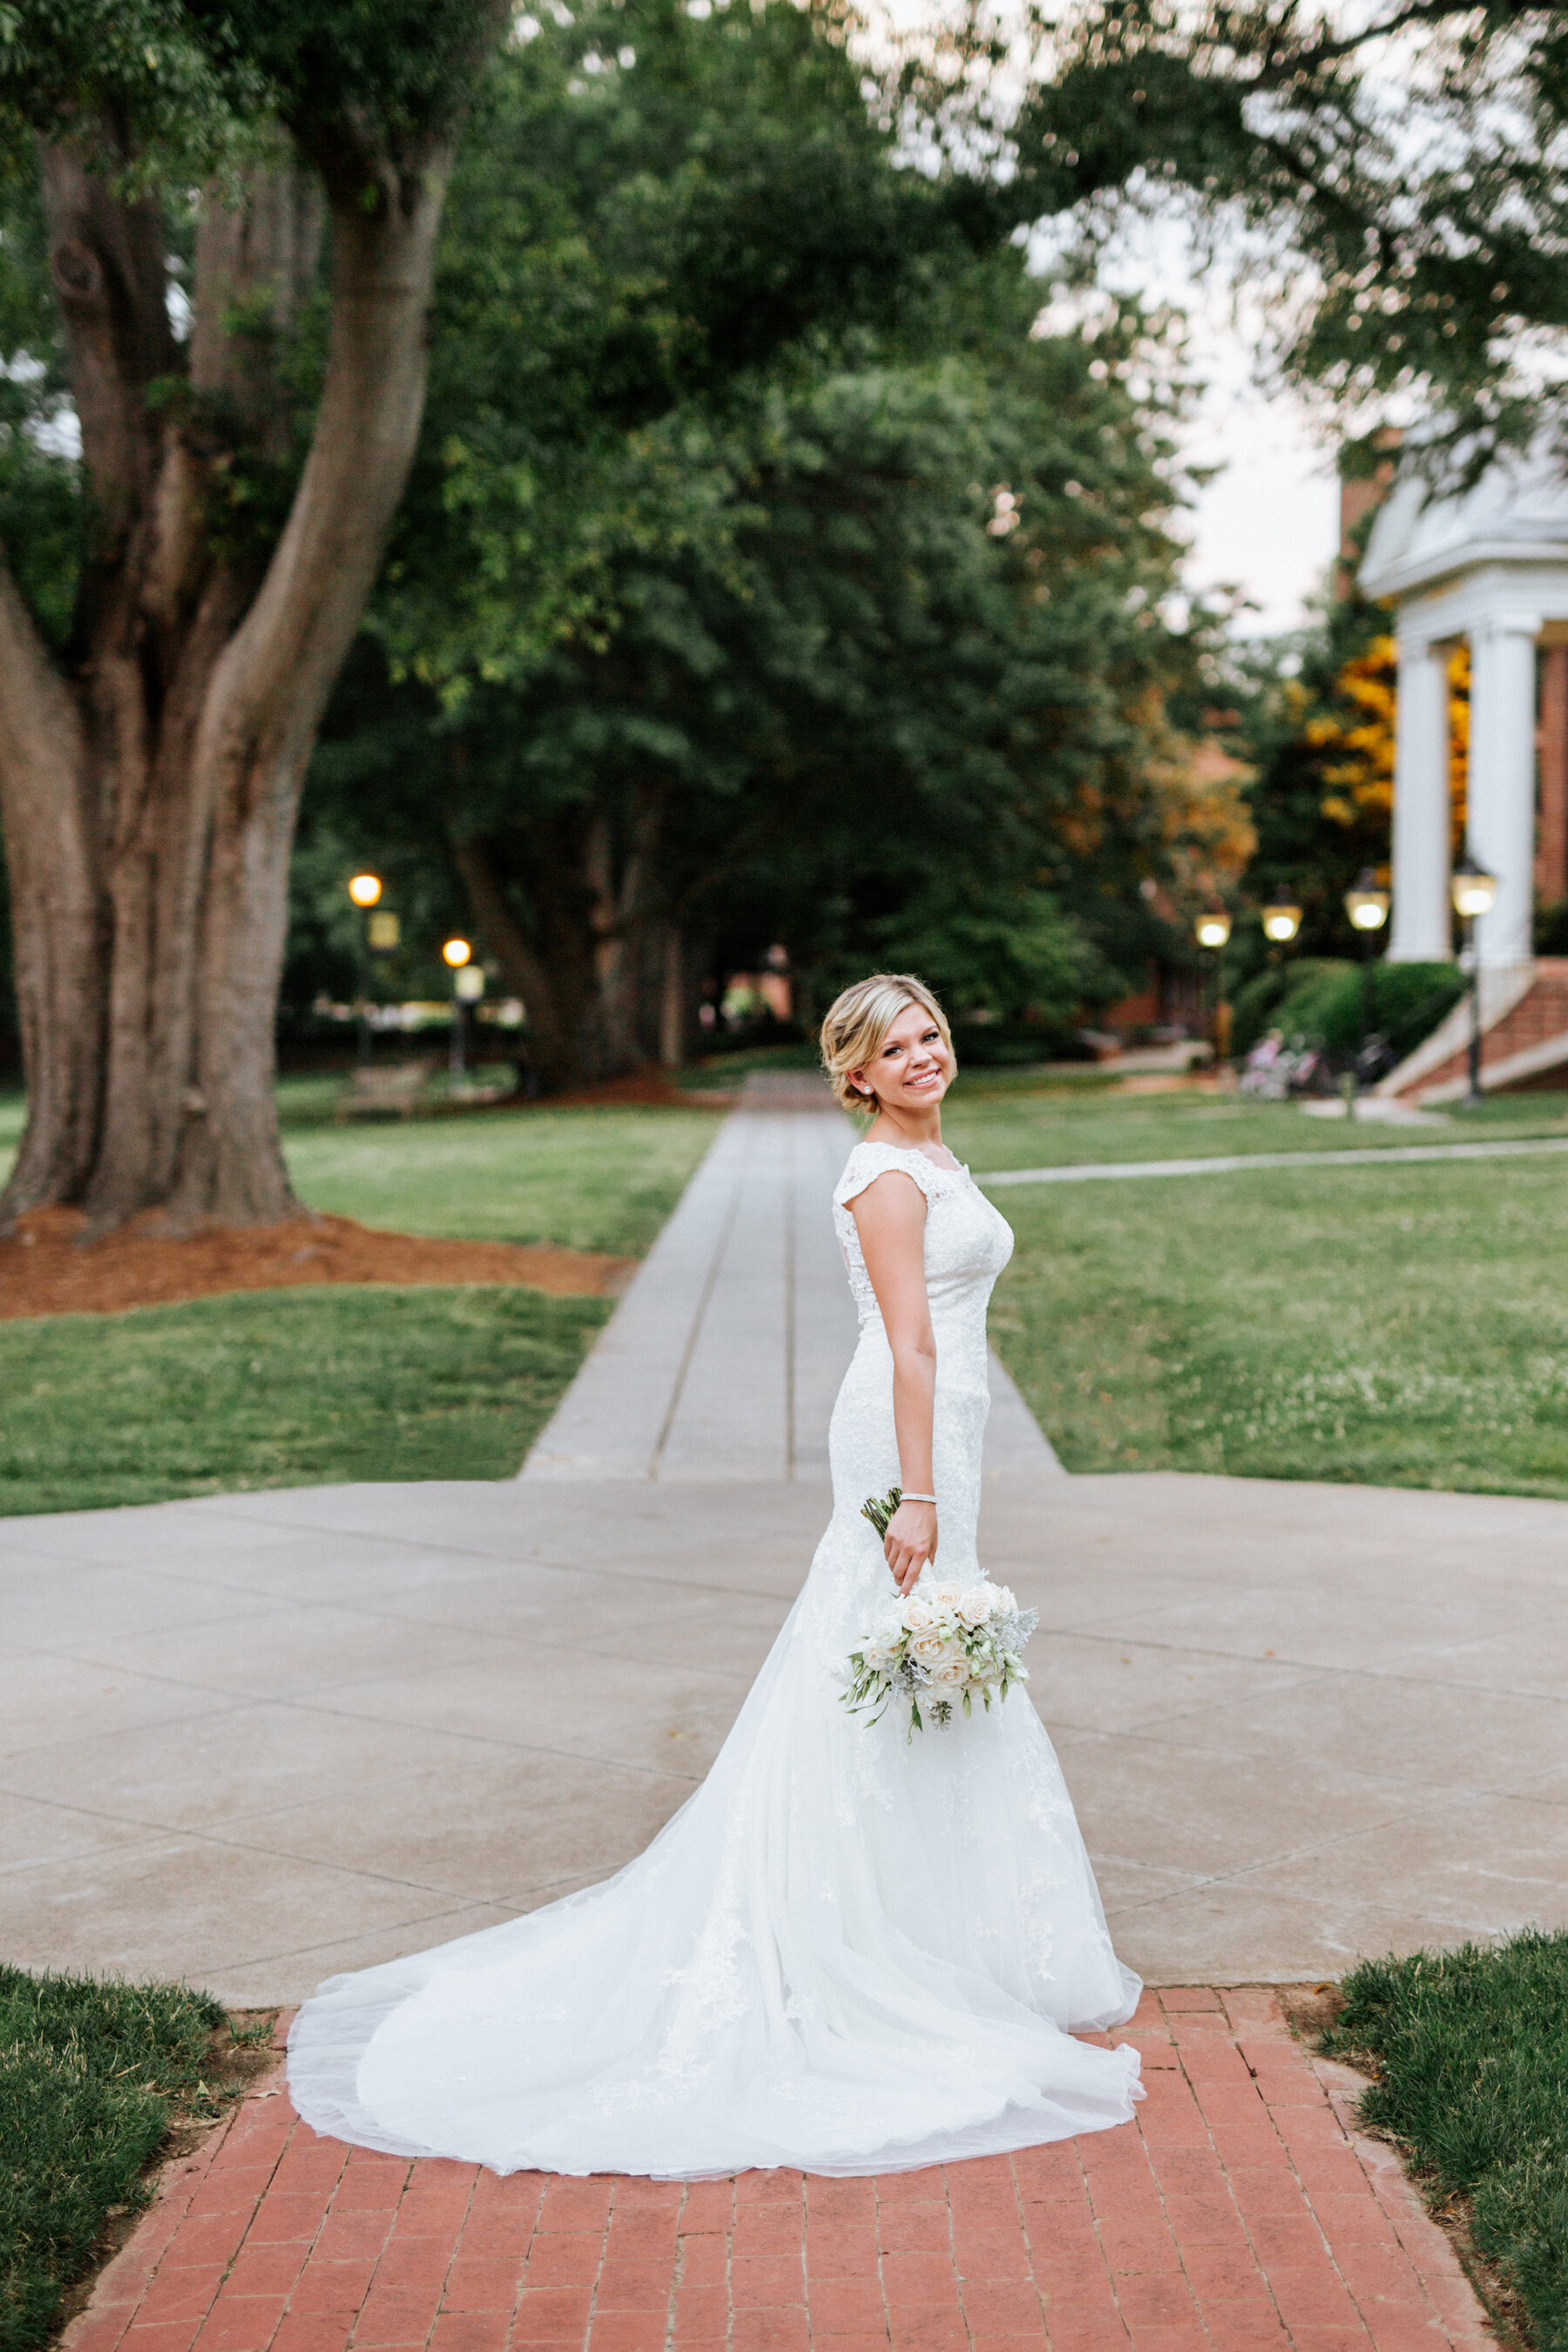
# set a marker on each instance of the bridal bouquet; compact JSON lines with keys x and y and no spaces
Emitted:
{"x":940,"y":1646}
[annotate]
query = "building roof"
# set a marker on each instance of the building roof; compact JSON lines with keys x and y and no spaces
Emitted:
{"x":1516,"y":513}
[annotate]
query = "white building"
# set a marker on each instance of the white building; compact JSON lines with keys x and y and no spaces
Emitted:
{"x":1492,"y":567}
{"x":1489,"y":567}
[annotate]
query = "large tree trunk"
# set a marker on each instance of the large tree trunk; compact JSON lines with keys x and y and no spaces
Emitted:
{"x":149,"y":780}
{"x":551,"y":1048}
{"x":620,"y":917}
{"x":576,"y":962}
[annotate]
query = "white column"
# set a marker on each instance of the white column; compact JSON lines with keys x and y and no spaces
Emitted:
{"x":1421,"y":931}
{"x":1501,"y":830}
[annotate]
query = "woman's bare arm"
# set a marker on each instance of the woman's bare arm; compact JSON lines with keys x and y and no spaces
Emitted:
{"x":890,"y":1217}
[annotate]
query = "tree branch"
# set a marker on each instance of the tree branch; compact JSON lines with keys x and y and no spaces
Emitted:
{"x":106,"y":259}
{"x":255,"y":264}
{"x":1346,"y":45}
{"x":57,"y":912}
{"x":272,"y":684}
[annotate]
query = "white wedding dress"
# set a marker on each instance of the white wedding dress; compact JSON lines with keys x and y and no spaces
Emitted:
{"x":848,"y":1952}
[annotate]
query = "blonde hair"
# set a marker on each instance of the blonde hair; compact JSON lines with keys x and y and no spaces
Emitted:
{"x":859,"y":1021}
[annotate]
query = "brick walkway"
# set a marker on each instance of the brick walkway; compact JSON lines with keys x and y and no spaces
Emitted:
{"x":1239,"y":2212}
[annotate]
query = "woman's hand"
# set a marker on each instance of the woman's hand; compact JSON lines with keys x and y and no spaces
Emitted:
{"x":911,"y":1541}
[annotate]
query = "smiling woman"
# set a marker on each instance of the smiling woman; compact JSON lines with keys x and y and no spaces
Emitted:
{"x":887,"y":1047}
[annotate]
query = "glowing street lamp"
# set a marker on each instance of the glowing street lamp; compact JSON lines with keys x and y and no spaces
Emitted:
{"x":1281,"y":919}
{"x":364,"y":889}
{"x":1473,"y":889}
{"x":1367,"y":905}
{"x":468,"y":988}
{"x":1211,"y":930}
{"x":1474,"y":893}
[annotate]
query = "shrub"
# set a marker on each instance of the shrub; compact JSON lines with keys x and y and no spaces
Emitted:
{"x":1321,"y":998}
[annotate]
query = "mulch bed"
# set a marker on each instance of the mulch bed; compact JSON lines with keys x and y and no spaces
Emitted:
{"x":46,"y":1267}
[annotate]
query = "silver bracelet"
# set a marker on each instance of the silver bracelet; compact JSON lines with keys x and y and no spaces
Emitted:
{"x":917,"y":1498}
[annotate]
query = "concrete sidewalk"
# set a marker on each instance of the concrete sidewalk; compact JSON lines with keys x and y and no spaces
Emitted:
{"x":255,"y":1739}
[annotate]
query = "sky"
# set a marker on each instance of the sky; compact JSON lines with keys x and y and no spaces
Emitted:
{"x":1269,"y":523}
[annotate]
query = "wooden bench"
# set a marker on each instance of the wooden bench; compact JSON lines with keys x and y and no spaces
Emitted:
{"x":396,"y":1086}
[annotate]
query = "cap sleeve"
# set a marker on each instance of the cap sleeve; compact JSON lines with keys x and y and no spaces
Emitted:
{"x":869,"y":1160}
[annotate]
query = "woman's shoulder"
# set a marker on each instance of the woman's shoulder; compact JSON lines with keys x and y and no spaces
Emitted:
{"x":867,"y":1161}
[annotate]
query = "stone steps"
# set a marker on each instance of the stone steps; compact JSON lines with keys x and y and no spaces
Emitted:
{"x":1524,"y":1038}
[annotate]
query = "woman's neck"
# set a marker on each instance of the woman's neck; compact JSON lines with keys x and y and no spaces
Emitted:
{"x":909,"y":1130}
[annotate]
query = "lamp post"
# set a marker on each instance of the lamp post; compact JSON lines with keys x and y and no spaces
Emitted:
{"x":467,"y":987}
{"x":1474,"y":892}
{"x":364,"y":889}
{"x":1212,"y":930}
{"x":1367,"y":906}
{"x":1281,"y":919}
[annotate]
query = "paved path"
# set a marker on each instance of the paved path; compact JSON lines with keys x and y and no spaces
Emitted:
{"x":1238,"y":2213}
{"x":724,"y":1357}
{"x":1092,"y":1171}
{"x":255,"y":1739}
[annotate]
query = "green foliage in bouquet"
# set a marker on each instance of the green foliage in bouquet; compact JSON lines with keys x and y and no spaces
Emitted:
{"x":879,"y":1509}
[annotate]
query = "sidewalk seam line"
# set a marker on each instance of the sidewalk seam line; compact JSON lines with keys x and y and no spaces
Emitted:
{"x":709,"y":1284}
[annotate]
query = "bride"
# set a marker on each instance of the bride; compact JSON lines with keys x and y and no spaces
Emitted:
{"x":852,"y":1951}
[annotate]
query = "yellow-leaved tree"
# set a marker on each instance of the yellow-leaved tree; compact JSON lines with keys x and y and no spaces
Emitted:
{"x":1356,"y":738}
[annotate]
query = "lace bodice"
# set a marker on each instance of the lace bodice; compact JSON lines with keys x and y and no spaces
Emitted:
{"x":967,"y":1244}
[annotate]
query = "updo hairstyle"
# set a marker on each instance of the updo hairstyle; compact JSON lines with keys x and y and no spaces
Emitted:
{"x":858,"y":1024}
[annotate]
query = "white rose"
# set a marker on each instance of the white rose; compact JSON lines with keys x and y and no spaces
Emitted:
{"x":948,"y":1676}
{"x":919,"y":1614}
{"x":945,"y":1596}
{"x":973,"y":1607}
{"x":927,"y":1648}
{"x":1002,"y":1601}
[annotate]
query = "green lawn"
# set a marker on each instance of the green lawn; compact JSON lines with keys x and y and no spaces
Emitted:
{"x":1405,"y":1326}
{"x":586,"y":1176}
{"x":996,"y":1122}
{"x":1399,"y":1326}
{"x":309,"y":1387}
{"x":90,"y":2077}
{"x":287,"y":1388}
{"x":1470,"y":2053}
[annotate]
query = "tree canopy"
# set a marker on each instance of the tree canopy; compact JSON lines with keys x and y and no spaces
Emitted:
{"x":761,"y":574}
{"x":1403,"y":171}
